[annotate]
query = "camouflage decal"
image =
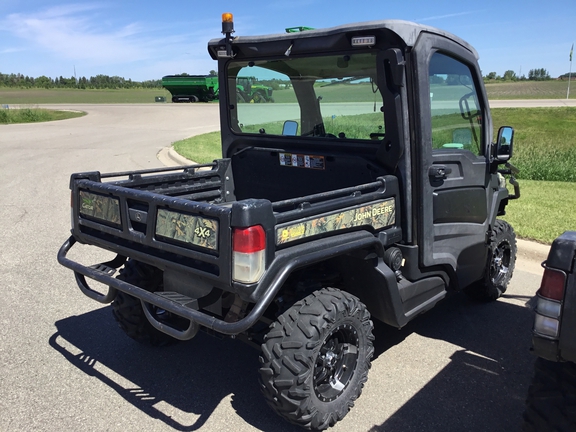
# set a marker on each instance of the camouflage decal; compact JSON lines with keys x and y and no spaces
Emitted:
{"x":190,"y":229}
{"x":378,"y":215}
{"x":100,"y":207}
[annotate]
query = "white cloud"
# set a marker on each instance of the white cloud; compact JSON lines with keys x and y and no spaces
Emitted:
{"x":85,"y":35}
{"x":437,"y":17}
{"x":71,"y":32}
{"x":11,"y":50}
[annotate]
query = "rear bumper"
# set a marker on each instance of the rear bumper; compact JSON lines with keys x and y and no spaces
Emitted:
{"x":545,"y":348}
{"x":284,"y":264}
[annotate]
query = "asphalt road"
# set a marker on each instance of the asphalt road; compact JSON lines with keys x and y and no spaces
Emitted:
{"x":65,"y":365}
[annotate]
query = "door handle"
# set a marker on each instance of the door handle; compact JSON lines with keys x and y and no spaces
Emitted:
{"x":439,"y":172}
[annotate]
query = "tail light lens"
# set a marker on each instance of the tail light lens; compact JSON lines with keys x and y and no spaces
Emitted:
{"x":553,"y":283}
{"x":546,"y":326}
{"x":549,"y":304}
{"x":248,"y":253}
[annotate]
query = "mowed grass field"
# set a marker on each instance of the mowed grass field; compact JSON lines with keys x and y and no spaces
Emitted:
{"x":553,"y":89}
{"x":10,"y":96}
{"x":502,"y":90}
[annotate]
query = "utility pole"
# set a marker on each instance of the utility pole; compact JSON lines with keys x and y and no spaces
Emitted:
{"x":570,"y":73}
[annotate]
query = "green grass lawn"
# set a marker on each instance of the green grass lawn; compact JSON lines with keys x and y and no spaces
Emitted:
{"x":33,"y":115}
{"x":544,"y":141}
{"x":544,"y":210}
{"x":200,"y":148}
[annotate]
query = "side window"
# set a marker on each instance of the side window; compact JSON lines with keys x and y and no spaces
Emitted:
{"x":456,"y":112}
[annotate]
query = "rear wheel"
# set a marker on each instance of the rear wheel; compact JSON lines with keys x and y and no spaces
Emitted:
{"x":499,"y":266}
{"x":128,"y":312}
{"x":316,"y":357}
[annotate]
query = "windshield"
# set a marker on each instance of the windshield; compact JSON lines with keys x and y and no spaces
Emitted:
{"x":322,"y":97}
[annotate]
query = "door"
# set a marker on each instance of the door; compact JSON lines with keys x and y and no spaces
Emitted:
{"x":452,"y":142}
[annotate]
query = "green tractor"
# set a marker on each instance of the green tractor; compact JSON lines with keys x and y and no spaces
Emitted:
{"x":248,"y":90}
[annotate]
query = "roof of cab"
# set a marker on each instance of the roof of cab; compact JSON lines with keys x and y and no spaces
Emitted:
{"x":406,"y":30}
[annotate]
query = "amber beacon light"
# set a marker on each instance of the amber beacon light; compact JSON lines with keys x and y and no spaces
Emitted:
{"x":227,"y":30}
{"x":227,"y":23}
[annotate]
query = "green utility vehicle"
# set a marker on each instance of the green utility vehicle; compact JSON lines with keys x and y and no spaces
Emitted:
{"x":370,"y":192}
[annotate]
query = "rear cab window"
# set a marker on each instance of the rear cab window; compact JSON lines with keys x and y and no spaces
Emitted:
{"x":334,"y":96}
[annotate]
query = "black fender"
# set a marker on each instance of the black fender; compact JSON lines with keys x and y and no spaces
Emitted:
{"x":390,"y":297}
{"x":499,"y":202}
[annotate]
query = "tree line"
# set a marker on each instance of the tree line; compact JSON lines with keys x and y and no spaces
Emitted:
{"x":539,"y":74}
{"x":94,"y":82}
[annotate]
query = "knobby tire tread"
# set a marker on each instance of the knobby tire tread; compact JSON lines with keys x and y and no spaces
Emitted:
{"x":289,"y":352}
{"x":485,"y":290}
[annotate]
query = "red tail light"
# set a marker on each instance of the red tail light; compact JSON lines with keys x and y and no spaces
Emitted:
{"x":249,"y":253}
{"x":249,"y":240}
{"x":553,"y":282}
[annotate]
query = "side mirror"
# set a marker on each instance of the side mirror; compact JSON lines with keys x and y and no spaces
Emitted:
{"x":504,"y":144}
{"x":290,"y":128}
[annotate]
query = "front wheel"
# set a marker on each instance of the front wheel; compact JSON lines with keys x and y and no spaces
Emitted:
{"x":240,"y":97}
{"x":316,"y":357}
{"x":499,"y":266}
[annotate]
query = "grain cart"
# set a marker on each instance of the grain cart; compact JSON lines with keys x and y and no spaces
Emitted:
{"x":370,"y":193}
{"x":191,"y":88}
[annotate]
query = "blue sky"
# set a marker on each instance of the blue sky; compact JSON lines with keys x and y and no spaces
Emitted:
{"x":148,"y":39}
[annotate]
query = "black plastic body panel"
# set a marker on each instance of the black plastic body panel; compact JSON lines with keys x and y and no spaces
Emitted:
{"x":562,"y":256}
{"x":460,"y":205}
